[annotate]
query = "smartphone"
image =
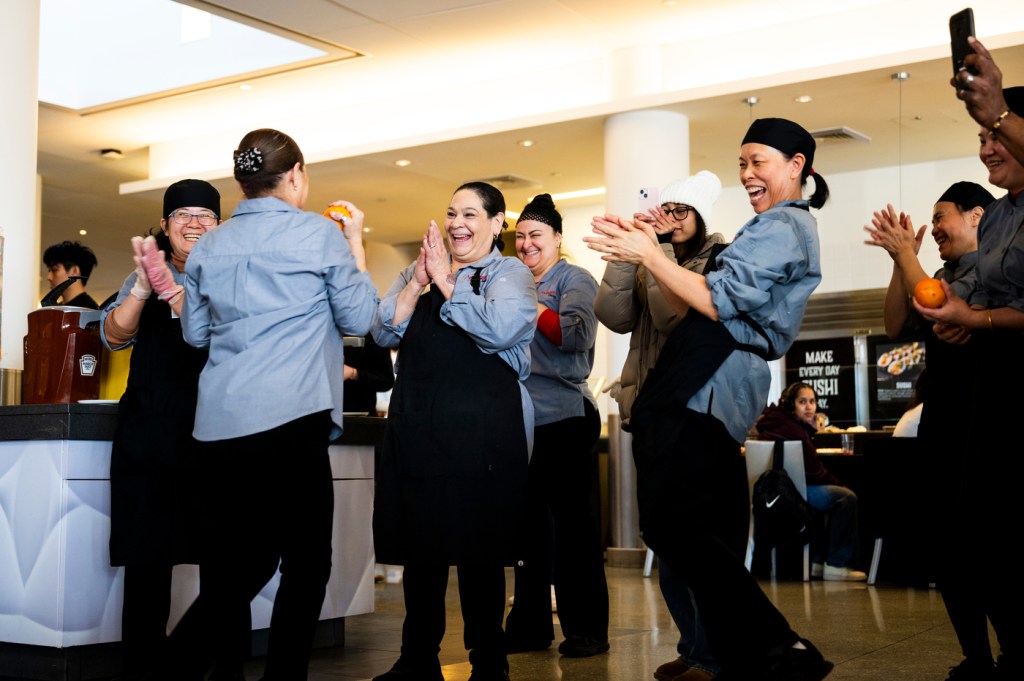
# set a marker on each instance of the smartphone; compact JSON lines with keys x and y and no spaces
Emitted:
{"x":961,"y":25}
{"x":648,"y":199}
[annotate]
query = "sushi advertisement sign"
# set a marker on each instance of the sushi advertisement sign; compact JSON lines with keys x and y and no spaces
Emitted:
{"x":827,"y":366}
{"x":896,"y":367}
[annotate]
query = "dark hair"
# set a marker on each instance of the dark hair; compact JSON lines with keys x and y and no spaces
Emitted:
{"x":163,"y":242}
{"x":69,"y":254}
{"x":693,"y":246}
{"x":262,"y":157}
{"x":493,"y":201}
{"x":788,"y":398}
{"x":820,"y":195}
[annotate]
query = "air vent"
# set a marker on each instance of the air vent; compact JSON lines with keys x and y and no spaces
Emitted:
{"x":511,"y":182}
{"x":840,"y":134}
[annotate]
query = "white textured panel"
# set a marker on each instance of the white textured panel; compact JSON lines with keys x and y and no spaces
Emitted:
{"x":29,"y":542}
{"x":57,"y":588}
{"x":350,"y":591}
{"x":91,"y":607}
{"x":87,"y":460}
{"x":351,"y":462}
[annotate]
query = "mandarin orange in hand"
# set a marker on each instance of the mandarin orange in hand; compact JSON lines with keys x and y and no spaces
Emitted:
{"x":340,"y":210}
{"x":929,"y":293}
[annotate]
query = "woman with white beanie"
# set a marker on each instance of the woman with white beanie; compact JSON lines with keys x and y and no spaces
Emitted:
{"x":630,"y":301}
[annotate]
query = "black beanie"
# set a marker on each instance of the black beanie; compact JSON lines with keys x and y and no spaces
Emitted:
{"x":542,"y":209}
{"x":784,"y":135}
{"x":191,"y":194}
{"x":967,"y":195}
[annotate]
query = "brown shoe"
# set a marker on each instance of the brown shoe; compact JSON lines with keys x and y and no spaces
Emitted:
{"x":678,"y":670}
{"x":670,"y":670}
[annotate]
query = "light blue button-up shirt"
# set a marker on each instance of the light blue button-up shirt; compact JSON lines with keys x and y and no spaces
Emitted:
{"x":768,"y":274}
{"x":272,"y":292}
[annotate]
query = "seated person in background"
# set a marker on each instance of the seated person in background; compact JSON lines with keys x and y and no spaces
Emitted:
{"x":71,"y":259}
{"x":368,"y":371}
{"x":907,"y":425}
{"x":794,"y":419}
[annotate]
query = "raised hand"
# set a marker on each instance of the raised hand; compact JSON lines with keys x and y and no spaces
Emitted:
{"x":435,"y":253}
{"x":141,"y":289}
{"x":895,"y":233}
{"x":154,"y":262}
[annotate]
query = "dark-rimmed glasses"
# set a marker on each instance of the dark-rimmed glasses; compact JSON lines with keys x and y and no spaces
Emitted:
{"x":183,"y":217}
{"x":679,"y":212}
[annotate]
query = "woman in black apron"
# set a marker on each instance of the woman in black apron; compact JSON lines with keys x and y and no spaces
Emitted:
{"x":154,"y":475}
{"x":451,"y":481}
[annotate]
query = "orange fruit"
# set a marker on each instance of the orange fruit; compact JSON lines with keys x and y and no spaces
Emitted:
{"x":337,"y":209}
{"x":929,"y":293}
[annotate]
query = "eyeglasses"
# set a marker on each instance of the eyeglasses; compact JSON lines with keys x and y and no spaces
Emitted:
{"x":679,"y":212}
{"x":183,"y":217}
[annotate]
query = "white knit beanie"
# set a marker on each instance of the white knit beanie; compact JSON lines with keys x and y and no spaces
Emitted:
{"x":699,"y":191}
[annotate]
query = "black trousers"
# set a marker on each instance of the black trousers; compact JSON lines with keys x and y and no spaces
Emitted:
{"x":482,"y":597}
{"x":563,"y":537}
{"x":147,"y":648}
{"x":698,"y":527}
{"x":270,"y":502}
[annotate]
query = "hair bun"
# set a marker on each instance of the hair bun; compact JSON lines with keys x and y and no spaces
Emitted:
{"x":248,"y":161}
{"x":542,"y":209}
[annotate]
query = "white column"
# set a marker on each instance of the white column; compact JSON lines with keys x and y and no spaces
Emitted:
{"x":19,"y":184}
{"x":641,"y":149}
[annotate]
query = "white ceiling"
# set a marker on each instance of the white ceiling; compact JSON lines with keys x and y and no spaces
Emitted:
{"x":453,"y":84}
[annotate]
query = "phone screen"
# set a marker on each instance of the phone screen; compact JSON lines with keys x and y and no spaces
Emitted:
{"x":961,"y":25}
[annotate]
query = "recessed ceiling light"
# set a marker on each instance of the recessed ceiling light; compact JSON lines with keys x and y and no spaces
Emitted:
{"x":245,"y":87}
{"x":367,"y":230}
{"x":525,"y":143}
{"x":750,"y":101}
{"x":82,"y":232}
{"x":112,"y":154}
{"x":403,"y":162}
{"x":803,"y":99}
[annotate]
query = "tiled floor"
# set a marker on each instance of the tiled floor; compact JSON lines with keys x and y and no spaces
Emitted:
{"x":884,"y":632}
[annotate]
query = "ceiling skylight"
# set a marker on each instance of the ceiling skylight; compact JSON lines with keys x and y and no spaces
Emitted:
{"x":142,"y":49}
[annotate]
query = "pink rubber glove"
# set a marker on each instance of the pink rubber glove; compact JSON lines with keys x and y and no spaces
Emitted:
{"x":155,"y":264}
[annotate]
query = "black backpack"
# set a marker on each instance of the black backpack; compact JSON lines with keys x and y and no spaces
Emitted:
{"x":781,"y":515}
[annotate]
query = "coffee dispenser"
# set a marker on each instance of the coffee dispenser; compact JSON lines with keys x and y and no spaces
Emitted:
{"x":62,"y":355}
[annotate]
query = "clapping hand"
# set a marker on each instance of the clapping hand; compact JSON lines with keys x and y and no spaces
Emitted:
{"x":622,"y":240}
{"x":141,"y":289}
{"x":435,"y":254}
{"x":894,"y":233}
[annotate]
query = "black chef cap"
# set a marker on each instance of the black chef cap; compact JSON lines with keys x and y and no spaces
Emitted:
{"x":191,"y":194}
{"x":784,"y":135}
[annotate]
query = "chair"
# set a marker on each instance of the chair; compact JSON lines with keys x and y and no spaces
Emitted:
{"x":758,"y":455}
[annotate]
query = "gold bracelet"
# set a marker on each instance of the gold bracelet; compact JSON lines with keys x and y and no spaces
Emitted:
{"x":988,"y":313}
{"x":999,"y":121}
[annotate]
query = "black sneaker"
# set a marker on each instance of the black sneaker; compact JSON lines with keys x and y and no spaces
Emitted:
{"x":795,"y":664}
{"x":581,"y":646}
{"x":489,"y":673}
{"x":1007,"y":669}
{"x":973,"y":670}
{"x":404,"y":670}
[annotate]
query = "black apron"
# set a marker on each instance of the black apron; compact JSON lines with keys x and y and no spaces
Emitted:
{"x":451,"y":481}
{"x":154,"y":474}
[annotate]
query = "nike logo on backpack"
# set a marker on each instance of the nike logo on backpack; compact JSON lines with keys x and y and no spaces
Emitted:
{"x":769,"y":504}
